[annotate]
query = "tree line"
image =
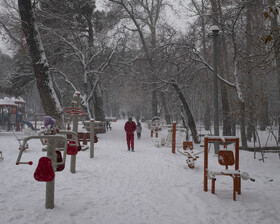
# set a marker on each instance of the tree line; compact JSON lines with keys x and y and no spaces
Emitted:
{"x":128,"y":57}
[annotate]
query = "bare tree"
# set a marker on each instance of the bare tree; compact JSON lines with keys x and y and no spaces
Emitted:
{"x":41,"y":67}
{"x":144,"y":13}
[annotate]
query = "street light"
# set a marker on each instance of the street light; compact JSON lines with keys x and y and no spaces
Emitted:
{"x":214,"y":29}
{"x":215,"y":33}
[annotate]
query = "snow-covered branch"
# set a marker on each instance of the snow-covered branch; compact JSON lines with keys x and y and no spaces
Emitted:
{"x":95,"y":55}
{"x":202,"y":60}
{"x":77,"y":51}
{"x":66,"y":78}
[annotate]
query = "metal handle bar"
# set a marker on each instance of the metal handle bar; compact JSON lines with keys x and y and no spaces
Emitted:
{"x":63,"y":132}
{"x":40,"y":137}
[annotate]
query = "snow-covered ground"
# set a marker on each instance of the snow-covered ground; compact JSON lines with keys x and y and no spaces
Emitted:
{"x":148,"y":186}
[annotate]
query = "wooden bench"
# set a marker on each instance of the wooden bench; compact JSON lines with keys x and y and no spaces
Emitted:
{"x":85,"y":137}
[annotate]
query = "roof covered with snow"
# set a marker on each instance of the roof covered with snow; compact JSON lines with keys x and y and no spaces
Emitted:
{"x":11,"y":101}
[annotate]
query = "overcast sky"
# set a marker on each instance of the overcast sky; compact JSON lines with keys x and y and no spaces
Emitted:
{"x":179,"y":22}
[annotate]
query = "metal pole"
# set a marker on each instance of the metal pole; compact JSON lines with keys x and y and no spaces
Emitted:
{"x":50,"y":185}
{"x":173,"y":137}
{"x":35,"y":123}
{"x":91,"y":138}
{"x":205,"y":164}
{"x":76,"y":100}
{"x":215,"y":88}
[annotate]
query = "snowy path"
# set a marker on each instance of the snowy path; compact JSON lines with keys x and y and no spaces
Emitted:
{"x":148,"y":186}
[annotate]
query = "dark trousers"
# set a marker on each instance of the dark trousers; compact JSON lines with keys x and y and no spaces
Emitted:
{"x":138,"y":135}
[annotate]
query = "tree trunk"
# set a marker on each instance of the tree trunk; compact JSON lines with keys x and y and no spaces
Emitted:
{"x":226,"y":111}
{"x":191,"y":122}
{"x":242,"y":125}
{"x":108,"y":109}
{"x":184,"y":123}
{"x":154,"y":103}
{"x":41,"y":68}
{"x":98,"y":104}
{"x":223,"y":63}
{"x":233,"y":126}
{"x":264,"y":121}
{"x":165,"y":108}
{"x":276,"y":37}
{"x":250,"y":84}
{"x":207,"y":116}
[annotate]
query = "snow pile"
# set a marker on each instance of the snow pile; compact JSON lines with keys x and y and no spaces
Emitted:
{"x":148,"y":186}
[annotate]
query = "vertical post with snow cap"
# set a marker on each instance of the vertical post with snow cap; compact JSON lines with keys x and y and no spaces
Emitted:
{"x":173,"y":137}
{"x":91,"y":138}
{"x":76,"y":104}
{"x":50,"y":185}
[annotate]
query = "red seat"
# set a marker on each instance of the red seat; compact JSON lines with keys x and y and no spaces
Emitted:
{"x":226,"y":158}
{"x":72,"y":148}
{"x":187,"y":145}
{"x":44,"y":171}
{"x":59,"y":159}
{"x":95,"y":139}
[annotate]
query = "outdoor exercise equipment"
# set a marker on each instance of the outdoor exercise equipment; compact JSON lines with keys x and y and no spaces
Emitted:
{"x":68,"y":121}
{"x":72,"y":148}
{"x":85,"y":137}
{"x":59,"y":160}
{"x":93,"y":139}
{"x":20,"y":140}
{"x":265,"y":149}
{"x":189,"y":153}
{"x":74,"y":111}
{"x":225,"y":158}
{"x":171,"y":138}
{"x":70,"y":135}
{"x":47,"y":166}
{"x":155,"y":125}
{"x":44,"y":171}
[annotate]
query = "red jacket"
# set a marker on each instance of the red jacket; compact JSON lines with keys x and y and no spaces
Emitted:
{"x":130,"y":127}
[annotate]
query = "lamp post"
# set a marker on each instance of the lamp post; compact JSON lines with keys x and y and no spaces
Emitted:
{"x":215,"y":33}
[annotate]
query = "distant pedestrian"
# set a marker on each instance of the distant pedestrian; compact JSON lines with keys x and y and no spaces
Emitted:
{"x":130,"y":128}
{"x":49,"y":122}
{"x":138,"y":130}
{"x":108,"y":125}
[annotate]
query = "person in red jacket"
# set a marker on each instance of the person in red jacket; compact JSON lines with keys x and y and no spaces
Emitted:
{"x":130,"y":128}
